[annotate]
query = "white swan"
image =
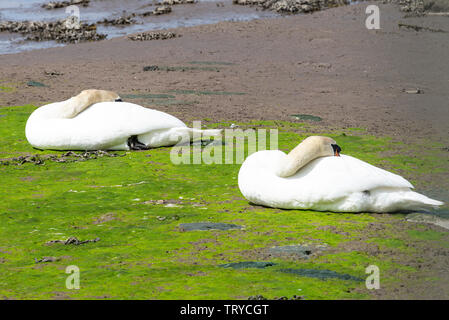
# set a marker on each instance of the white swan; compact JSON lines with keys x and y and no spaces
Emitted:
{"x":315,"y":176}
{"x":98,"y":120}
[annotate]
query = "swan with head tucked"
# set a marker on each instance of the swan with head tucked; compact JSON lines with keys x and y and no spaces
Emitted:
{"x":100,"y":120}
{"x":315,"y":176}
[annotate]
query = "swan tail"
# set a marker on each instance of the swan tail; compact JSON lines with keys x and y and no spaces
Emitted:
{"x":173,"y":136}
{"x":206,"y":132}
{"x":422,"y":199}
{"x":409,"y":200}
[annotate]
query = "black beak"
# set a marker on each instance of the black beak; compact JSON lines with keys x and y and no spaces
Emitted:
{"x":118,"y":100}
{"x":337,"y":149}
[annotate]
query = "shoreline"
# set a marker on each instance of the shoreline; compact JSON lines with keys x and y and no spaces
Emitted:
{"x":113,"y":19}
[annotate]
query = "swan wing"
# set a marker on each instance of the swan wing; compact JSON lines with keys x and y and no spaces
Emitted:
{"x":334,"y":177}
{"x":127,"y":118}
{"x":101,"y":126}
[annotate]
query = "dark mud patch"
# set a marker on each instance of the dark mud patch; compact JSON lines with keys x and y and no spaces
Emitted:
{"x":27,"y":178}
{"x":206,"y":226}
{"x":292,"y":252}
{"x":322,"y":274}
{"x":36,"y":84}
{"x":297,"y":251}
{"x":248,"y":264}
{"x":53,"y":73}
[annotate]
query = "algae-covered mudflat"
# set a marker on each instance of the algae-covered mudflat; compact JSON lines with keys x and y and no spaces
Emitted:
{"x":140,"y":210}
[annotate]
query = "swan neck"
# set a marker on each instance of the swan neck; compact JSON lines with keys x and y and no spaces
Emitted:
{"x":298,"y":158}
{"x":70,"y":108}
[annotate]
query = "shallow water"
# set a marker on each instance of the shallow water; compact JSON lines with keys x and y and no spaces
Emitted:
{"x":203,"y":12}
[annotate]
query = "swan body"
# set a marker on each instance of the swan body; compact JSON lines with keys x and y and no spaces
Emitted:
{"x":326,"y":183}
{"x":103,"y":125}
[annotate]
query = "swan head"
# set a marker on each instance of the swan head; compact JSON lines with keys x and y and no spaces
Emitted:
{"x":309,"y":149}
{"x":95,"y":96}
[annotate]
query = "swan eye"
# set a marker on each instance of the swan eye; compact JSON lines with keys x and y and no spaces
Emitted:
{"x":337,"y":149}
{"x":118,"y":100}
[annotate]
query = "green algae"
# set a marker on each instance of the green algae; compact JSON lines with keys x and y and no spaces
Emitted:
{"x":144,"y":255}
{"x":6,"y":89}
{"x":7,"y":86}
